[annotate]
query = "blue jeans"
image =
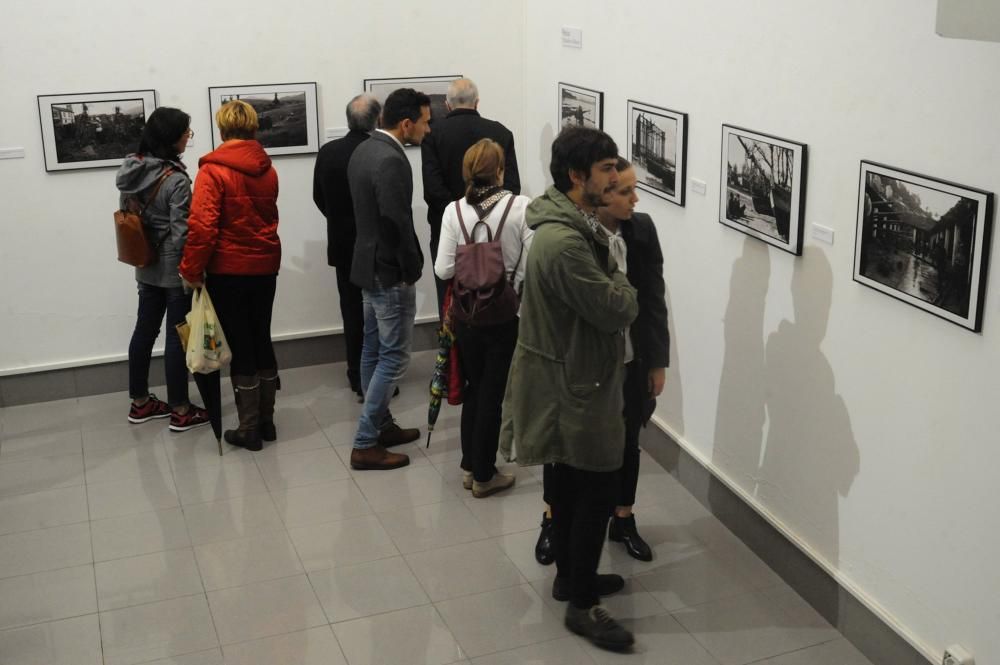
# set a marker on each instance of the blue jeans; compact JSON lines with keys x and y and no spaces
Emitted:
{"x":154,"y":302}
{"x":389,"y":314}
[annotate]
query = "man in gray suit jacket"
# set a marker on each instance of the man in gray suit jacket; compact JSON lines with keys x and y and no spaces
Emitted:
{"x":386,"y":265}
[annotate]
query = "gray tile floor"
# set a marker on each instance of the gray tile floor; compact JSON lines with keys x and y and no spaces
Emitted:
{"x":126,"y":544}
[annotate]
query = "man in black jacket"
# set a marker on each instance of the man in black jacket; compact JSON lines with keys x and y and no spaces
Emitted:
{"x":332,"y":195}
{"x":443,"y":151}
{"x":387,"y":264}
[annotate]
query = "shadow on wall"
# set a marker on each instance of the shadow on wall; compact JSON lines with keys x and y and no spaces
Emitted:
{"x":672,"y":397}
{"x":740,"y":415}
{"x":545,"y":157}
{"x":809,"y":458}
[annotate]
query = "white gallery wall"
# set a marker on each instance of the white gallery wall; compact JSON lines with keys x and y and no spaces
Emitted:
{"x":866,"y":428}
{"x":64,"y":299}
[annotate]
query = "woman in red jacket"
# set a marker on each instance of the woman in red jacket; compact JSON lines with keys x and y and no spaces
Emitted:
{"x":233,"y":250}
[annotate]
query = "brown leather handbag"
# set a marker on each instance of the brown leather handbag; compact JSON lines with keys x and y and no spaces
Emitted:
{"x":134,"y":246}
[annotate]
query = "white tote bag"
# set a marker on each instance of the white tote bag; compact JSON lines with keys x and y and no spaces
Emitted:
{"x":207,"y":350}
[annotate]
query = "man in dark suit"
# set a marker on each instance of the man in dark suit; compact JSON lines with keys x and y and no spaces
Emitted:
{"x":444,"y":150}
{"x":386,"y":265}
{"x":333,"y":198}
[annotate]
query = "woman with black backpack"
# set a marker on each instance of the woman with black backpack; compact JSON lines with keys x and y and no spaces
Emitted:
{"x":487,"y":222}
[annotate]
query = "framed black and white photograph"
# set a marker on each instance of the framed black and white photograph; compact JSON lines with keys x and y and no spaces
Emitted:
{"x":924,"y":241}
{"x":93,"y":129}
{"x":287,"y":114}
{"x":435,"y":87}
{"x":657,"y":148}
{"x":763,"y":192}
{"x":580,"y":107}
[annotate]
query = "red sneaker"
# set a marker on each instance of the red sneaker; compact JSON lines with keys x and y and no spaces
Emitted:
{"x":153,"y":408}
{"x":195,"y":417}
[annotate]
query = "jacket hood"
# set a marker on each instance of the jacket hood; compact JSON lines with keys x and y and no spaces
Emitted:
{"x":139,"y":172}
{"x":245,"y":156}
{"x":555,"y":207}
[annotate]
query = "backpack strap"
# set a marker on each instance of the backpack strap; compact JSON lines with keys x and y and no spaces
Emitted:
{"x":461,"y":222}
{"x":506,"y":211}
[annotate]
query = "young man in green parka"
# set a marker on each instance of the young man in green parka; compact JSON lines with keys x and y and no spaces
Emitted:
{"x":563,"y":404}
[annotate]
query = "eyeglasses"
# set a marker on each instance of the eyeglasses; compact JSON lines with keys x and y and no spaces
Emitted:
{"x":189,"y":133}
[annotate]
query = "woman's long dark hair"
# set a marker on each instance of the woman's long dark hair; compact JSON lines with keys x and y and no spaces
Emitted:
{"x":164,"y":128}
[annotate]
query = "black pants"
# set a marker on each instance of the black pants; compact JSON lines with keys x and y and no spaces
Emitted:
{"x":244,"y":303}
{"x":154,"y":302}
{"x":636,"y":389}
{"x":485,"y":353}
{"x":353,"y":315}
{"x":581,"y":503}
{"x":440,"y":285}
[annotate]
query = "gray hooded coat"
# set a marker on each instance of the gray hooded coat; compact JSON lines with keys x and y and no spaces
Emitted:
{"x":166,"y":217}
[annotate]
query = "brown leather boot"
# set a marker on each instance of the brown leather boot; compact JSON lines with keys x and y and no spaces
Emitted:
{"x":268,"y":388}
{"x":377,"y":458}
{"x":247,"y":389}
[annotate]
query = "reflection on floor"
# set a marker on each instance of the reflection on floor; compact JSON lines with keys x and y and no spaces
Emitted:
{"x":128,"y":544}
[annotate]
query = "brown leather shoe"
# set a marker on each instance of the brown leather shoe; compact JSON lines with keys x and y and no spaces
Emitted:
{"x":394,"y":435}
{"x":377,"y":458}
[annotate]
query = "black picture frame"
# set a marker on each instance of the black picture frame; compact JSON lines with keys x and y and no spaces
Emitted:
{"x":288,"y":115}
{"x":762,"y":190}
{"x":90,"y":130}
{"x":924,"y":241}
{"x":657,"y":149}
{"x":435,"y":87}
{"x":579,"y":106}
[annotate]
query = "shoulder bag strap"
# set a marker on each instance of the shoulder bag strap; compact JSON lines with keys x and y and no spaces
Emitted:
{"x":142,"y":213}
{"x":156,"y":189}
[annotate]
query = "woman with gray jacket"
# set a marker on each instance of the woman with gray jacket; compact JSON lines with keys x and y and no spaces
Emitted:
{"x":164,"y":139}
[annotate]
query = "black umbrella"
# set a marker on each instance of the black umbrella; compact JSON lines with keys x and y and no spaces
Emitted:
{"x":209,"y":386}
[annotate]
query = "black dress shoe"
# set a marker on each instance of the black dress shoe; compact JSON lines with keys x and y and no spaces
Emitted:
{"x":544,"y":548}
{"x":606,"y":585}
{"x":622,"y":530}
{"x":599,"y":627}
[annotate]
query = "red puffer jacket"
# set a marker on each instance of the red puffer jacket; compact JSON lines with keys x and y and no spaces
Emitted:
{"x":233,"y":224}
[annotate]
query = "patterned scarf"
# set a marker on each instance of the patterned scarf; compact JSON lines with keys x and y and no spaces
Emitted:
{"x":483,"y":199}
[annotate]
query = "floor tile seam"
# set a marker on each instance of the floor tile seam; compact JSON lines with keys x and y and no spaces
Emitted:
{"x":42,"y":623}
{"x":269,"y":637}
{"x":431,"y":605}
{"x":145,"y":554}
{"x":57,"y":569}
{"x":545,"y":609}
{"x":172,"y":599}
{"x":201,"y":576}
{"x":262,"y":580}
{"x":44,"y":528}
{"x":726,"y":598}
{"x":764,"y":659}
{"x":590,"y":661}
{"x":348,"y":565}
{"x":47,"y":489}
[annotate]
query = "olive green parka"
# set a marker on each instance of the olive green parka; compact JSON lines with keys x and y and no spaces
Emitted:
{"x":563,"y":402}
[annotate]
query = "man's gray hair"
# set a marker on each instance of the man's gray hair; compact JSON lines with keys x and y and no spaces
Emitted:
{"x":363,"y":112}
{"x":462,"y":94}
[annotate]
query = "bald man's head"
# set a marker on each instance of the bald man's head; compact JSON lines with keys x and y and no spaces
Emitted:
{"x":462,"y":94}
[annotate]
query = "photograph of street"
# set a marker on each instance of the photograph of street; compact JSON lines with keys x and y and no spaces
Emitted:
{"x":920,"y":239}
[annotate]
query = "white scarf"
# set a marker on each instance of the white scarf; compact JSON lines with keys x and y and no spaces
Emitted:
{"x":618,"y":250}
